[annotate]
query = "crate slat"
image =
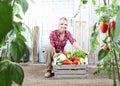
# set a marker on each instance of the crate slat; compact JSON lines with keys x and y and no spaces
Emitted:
{"x":82,"y":66}
{"x":68,"y":72}
{"x":72,"y":76}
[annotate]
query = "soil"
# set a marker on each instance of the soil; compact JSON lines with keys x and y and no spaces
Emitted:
{"x":34,"y":76}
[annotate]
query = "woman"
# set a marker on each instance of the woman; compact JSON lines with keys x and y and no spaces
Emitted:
{"x":58,"y":40}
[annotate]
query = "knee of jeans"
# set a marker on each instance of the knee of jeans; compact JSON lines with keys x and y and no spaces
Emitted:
{"x":47,"y":48}
{"x":43,"y":50}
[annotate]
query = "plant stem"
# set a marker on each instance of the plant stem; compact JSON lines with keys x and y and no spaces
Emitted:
{"x":108,"y":2}
{"x":116,"y":62}
{"x":104,"y":2}
{"x":110,"y":67}
{"x":114,"y":77}
{"x":13,"y":3}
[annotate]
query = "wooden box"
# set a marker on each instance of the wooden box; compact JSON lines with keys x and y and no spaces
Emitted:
{"x":70,"y":71}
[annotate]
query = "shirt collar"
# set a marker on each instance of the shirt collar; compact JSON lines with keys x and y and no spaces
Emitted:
{"x":58,"y":33}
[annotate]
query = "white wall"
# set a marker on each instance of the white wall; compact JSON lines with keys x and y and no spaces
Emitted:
{"x":46,"y":13}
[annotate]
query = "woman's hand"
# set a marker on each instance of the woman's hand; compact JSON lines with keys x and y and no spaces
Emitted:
{"x":86,"y":52}
{"x":55,"y":55}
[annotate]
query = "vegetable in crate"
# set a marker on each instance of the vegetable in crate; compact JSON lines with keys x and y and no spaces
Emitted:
{"x":59,"y":61}
{"x":67,"y":62}
{"x":69,"y":54}
{"x":60,"y":57}
{"x":79,"y":53}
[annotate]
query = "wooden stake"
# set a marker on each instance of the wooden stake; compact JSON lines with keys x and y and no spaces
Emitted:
{"x":35,"y":45}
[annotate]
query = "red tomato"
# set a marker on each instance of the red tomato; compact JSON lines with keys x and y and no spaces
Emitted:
{"x":76,"y":62}
{"x":113,"y":24}
{"x":64,"y":52}
{"x":106,"y":47}
{"x":66,"y":62}
{"x":103,"y":27}
{"x":76,"y":58}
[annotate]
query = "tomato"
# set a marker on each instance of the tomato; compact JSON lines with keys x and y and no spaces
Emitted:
{"x":111,"y":26}
{"x":106,"y":47}
{"x":76,"y":62}
{"x":103,"y":27}
{"x":66,"y":62}
{"x":64,"y":52}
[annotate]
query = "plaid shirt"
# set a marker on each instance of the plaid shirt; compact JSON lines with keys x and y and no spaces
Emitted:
{"x":60,"y":44}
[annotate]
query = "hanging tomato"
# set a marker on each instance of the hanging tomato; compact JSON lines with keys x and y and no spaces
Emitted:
{"x":103,"y":27}
{"x":112,"y":26}
{"x":106,"y":47}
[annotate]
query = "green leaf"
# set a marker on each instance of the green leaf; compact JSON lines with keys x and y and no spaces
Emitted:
{"x":18,"y":16}
{"x":17,"y":27}
{"x":20,"y":36}
{"x":5,"y":79}
{"x":16,"y":73}
{"x":16,"y":9}
{"x":95,"y":27}
{"x":79,"y":53}
{"x":76,"y":14}
{"x":93,"y":39}
{"x":114,"y":1}
{"x":84,"y":1}
{"x":101,"y":9}
{"x":17,"y":49}
{"x":117,"y":30}
{"x":102,"y":53}
{"x":23,"y":4}
{"x":8,"y":1}
{"x":3,"y":65}
{"x":94,"y":2}
{"x":5,"y":19}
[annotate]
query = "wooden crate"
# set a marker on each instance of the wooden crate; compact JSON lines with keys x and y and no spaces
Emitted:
{"x":70,"y":71}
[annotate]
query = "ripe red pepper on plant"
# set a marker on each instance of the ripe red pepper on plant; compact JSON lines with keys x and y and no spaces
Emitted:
{"x":104,"y":26}
{"x":112,"y":26}
{"x":106,"y":47}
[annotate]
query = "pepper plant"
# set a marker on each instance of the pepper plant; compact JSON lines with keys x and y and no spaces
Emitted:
{"x":12,"y":42}
{"x":109,"y":53}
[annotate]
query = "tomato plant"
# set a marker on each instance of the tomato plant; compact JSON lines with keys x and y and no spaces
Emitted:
{"x":110,"y":11}
{"x":12,"y":42}
{"x":108,"y":54}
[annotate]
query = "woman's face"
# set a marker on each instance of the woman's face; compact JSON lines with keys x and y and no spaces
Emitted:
{"x":63,"y":24}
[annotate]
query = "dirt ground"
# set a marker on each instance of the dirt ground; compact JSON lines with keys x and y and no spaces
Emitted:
{"x":34,"y":76}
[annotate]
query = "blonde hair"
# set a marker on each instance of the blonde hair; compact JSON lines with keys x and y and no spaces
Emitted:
{"x":64,"y":18}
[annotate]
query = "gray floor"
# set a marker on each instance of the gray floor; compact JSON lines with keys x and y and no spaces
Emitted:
{"x":34,"y":76}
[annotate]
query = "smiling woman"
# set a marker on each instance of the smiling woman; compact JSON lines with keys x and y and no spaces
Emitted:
{"x":58,"y":41}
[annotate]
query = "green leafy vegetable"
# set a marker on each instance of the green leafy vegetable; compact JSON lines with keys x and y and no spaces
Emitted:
{"x":80,"y":54}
